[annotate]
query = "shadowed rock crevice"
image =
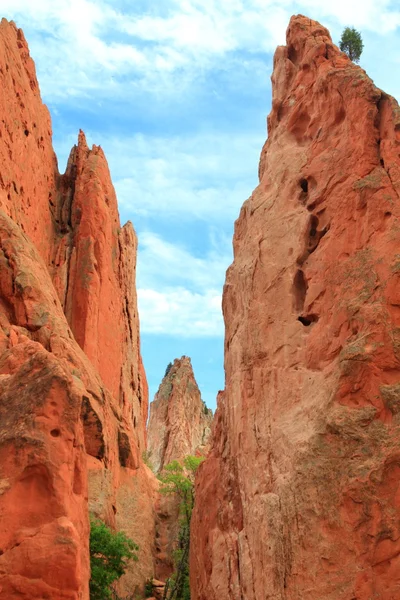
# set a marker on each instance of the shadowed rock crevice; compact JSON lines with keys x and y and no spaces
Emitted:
{"x":300,"y":287}
{"x":92,"y":430}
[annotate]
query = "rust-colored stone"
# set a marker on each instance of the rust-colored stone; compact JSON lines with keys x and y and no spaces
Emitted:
{"x":179,"y":425}
{"x":28,"y":165}
{"x":73,"y":392}
{"x":180,"y":422}
{"x":299,"y":497}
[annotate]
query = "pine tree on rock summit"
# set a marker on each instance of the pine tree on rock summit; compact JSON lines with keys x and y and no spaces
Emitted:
{"x":351,"y":43}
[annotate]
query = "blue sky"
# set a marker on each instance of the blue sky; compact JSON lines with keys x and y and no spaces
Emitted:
{"x":177,"y":93}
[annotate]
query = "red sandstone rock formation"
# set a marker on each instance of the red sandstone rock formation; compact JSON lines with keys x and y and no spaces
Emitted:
{"x":300,"y":495}
{"x":179,"y":422}
{"x":179,"y":425}
{"x":73,"y":393}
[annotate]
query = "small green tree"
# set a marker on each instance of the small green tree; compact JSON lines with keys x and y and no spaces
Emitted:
{"x":167,"y":370}
{"x":110,"y":552}
{"x":178,"y":479}
{"x":351,"y":43}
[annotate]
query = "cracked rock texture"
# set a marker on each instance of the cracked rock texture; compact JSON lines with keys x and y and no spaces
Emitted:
{"x":300,"y":495}
{"x":73,"y":392}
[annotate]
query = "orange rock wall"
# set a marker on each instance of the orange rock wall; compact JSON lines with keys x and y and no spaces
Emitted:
{"x":299,"y":497}
{"x":73,"y":392}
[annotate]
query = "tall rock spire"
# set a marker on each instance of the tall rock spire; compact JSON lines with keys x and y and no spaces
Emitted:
{"x":180,"y":422}
{"x":299,"y":497}
{"x":73,"y":392}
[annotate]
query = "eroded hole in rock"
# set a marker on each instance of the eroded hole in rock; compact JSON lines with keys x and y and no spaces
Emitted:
{"x":313,"y":234}
{"x":114,"y":509}
{"x":307,"y":320}
{"x":55,"y":433}
{"x":300,"y":287}
{"x":92,"y":430}
{"x":26,"y":132}
{"x":304,"y":185}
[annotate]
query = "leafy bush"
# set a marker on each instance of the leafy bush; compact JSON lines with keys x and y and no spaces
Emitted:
{"x":178,"y":479}
{"x":110,"y":553}
{"x":148,"y":589}
{"x":351,"y":43}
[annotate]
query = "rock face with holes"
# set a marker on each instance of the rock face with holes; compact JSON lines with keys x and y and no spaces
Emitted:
{"x":180,"y":422}
{"x":299,"y":497}
{"x":73,"y":392}
{"x":179,"y":425}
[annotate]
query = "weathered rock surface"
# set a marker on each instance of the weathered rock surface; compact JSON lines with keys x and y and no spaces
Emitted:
{"x":73,"y":392}
{"x":94,"y":273}
{"x":180,"y":422}
{"x":300,"y":495}
{"x":179,"y":425}
{"x":28,"y":166}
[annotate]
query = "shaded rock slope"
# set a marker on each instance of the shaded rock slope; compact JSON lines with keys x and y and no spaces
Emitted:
{"x":300,"y":497}
{"x":73,"y":392}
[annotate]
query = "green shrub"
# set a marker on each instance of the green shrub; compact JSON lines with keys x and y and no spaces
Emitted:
{"x":178,"y":480}
{"x":148,"y":589}
{"x":110,"y":553}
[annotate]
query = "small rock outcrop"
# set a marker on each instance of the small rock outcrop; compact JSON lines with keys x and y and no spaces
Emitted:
{"x":180,"y":422}
{"x":73,"y":392}
{"x":299,"y":497}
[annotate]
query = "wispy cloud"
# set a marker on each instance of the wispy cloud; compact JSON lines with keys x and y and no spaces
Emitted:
{"x":179,"y":312}
{"x":102,"y":45}
{"x":180,"y":293}
{"x":203,"y":176}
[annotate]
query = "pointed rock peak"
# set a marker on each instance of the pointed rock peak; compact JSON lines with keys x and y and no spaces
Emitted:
{"x":183,"y":363}
{"x":82,"y":143}
{"x":180,"y":421}
{"x":302,"y":28}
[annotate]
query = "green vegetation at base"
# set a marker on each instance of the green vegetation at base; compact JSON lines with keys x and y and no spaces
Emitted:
{"x":351,"y":43}
{"x":110,"y":553}
{"x":178,"y":480}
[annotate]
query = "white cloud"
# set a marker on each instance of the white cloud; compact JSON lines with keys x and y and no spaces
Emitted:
{"x":85,"y":45}
{"x":180,"y":293}
{"x":178,"y":311}
{"x":205,"y":176}
{"x":161,"y":262}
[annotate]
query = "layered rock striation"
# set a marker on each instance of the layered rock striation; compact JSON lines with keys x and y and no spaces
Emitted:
{"x":299,"y":497}
{"x":73,"y":392}
{"x":180,"y":422}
